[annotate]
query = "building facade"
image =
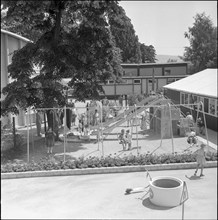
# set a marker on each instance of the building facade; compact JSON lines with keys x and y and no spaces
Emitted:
{"x":143,"y":78}
{"x":10,"y":42}
{"x":197,"y":94}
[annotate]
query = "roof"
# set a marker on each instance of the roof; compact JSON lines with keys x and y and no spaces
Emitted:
{"x":155,"y":64}
{"x":15,"y":35}
{"x":202,"y":83}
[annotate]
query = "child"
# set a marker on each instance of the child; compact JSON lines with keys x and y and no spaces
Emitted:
{"x":192,"y":139}
{"x":86,"y":130}
{"x":80,"y":127}
{"x":96,"y":117}
{"x":128,"y":139}
{"x":121,"y":138}
{"x":201,"y":125}
{"x":49,"y":140}
{"x":200,"y":157}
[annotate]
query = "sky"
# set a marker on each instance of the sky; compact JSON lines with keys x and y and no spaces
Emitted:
{"x":163,"y":23}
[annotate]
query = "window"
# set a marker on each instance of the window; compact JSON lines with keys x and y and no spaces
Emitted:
{"x":150,"y":81}
{"x":216,"y":107}
{"x":123,"y":81}
{"x":212,"y":106}
{"x":201,"y":99}
{"x":111,"y":82}
{"x":206,"y":102}
{"x":182,"y":98}
{"x":137,"y":81}
{"x":167,"y":72}
{"x":170,"y":80}
{"x":186,"y":99}
{"x":195,"y":106}
{"x":191,"y":100}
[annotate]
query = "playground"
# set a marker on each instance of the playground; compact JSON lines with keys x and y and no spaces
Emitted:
{"x":148,"y":123}
{"x":154,"y":129}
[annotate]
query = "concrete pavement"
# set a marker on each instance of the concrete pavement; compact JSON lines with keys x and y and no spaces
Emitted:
{"x":102,"y":196}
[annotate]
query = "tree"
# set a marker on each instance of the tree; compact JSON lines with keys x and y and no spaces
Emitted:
{"x":124,"y":35}
{"x":202,"y":52}
{"x":71,"y":39}
{"x":148,"y":53}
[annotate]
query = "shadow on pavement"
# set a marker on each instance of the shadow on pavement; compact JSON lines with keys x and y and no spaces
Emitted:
{"x":193,"y":177}
{"x":146,"y":202}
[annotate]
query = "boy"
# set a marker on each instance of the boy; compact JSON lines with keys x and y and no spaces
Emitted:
{"x":128,"y":139}
{"x":200,"y":157}
{"x":49,"y":140}
{"x":121,"y":138}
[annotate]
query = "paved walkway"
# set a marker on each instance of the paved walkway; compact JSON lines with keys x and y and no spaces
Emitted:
{"x":102,"y":196}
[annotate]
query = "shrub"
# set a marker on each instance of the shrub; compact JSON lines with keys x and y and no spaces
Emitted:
{"x":47,"y":163}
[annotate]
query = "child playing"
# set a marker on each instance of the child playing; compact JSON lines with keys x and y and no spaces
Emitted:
{"x":121,"y":138}
{"x":80,"y":127}
{"x":201,"y":125}
{"x":128,"y":139}
{"x":200,"y":157}
{"x":49,"y":140}
{"x":192,"y":139}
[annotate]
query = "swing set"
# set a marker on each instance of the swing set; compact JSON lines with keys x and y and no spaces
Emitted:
{"x":151,"y":122}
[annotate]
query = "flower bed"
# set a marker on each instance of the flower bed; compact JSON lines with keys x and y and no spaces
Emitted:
{"x":109,"y":161}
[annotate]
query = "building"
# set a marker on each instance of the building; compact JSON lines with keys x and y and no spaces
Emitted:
{"x":143,"y":78}
{"x":10,"y":42}
{"x":196,"y":88}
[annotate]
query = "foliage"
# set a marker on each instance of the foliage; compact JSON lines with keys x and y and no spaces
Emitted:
{"x":134,"y":99}
{"x":108,"y":161}
{"x":124,"y":35}
{"x":7,"y":143}
{"x":148,"y":53}
{"x":72,"y":41}
{"x":7,"y":138}
{"x":202,"y":52}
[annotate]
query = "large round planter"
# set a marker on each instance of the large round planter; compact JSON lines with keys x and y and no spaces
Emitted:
{"x":166,"y":191}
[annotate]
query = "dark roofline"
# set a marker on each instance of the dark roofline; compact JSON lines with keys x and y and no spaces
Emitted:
{"x":134,"y":65}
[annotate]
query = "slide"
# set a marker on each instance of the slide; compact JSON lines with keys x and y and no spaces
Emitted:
{"x":126,"y":112}
{"x":130,"y":115}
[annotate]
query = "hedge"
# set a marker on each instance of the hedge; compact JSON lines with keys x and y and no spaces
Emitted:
{"x":52,"y":163}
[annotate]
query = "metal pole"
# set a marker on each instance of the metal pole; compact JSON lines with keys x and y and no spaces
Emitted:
{"x":98,"y":131}
{"x":205,"y":124}
{"x":102,"y":139}
{"x":153,"y":80}
{"x":14,"y":131}
{"x":65,"y":119}
{"x":183,"y":210}
{"x":171,"y":129}
{"x":136,"y":130}
{"x":28,"y":136}
{"x":31,"y":131}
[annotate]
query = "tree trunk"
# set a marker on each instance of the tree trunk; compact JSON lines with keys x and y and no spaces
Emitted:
{"x":57,"y":27}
